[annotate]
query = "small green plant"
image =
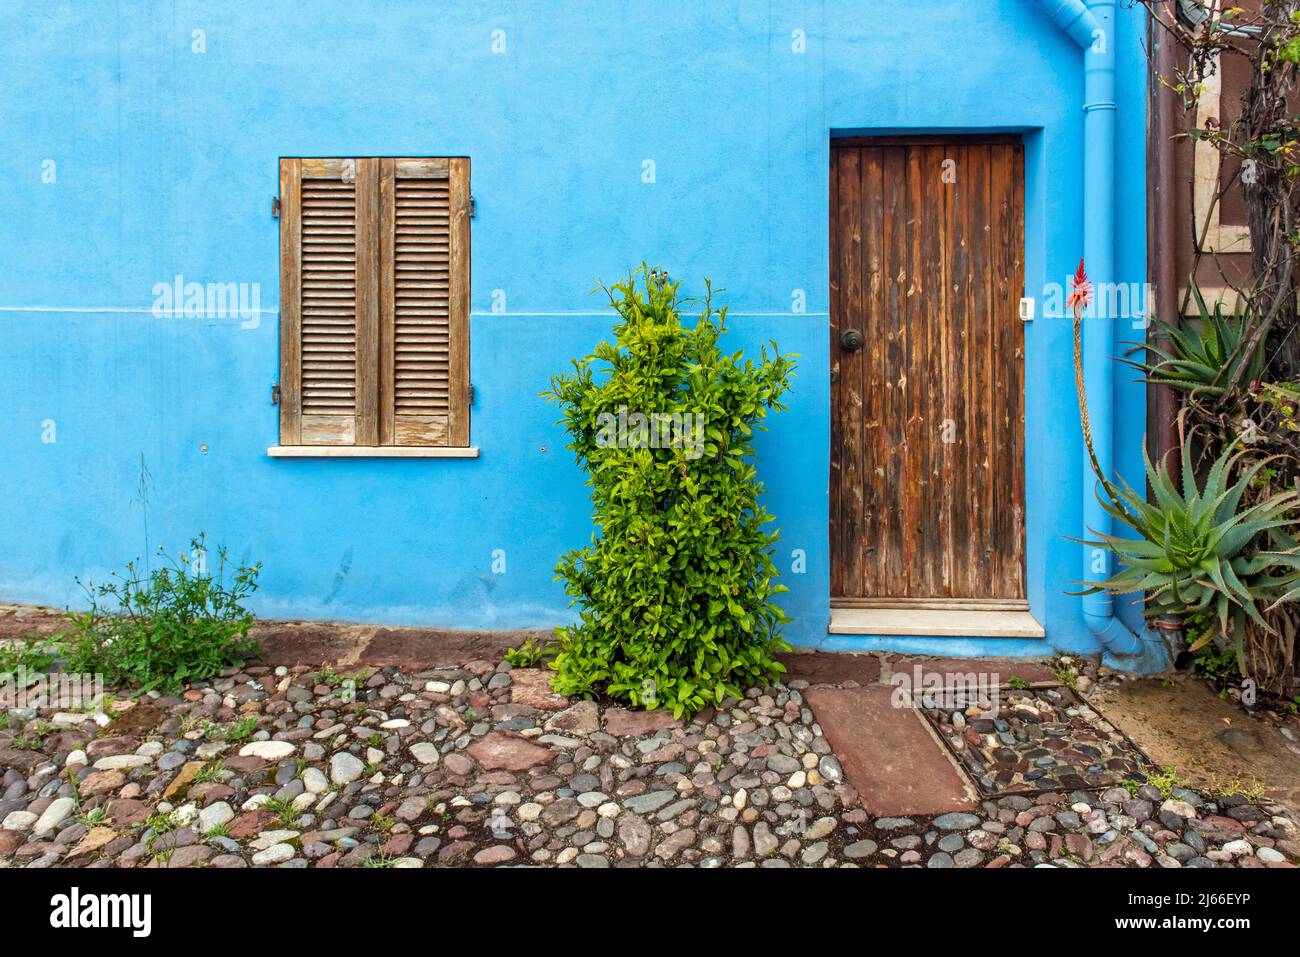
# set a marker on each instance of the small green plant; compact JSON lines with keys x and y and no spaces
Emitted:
{"x":530,"y":654}
{"x":1165,"y":781}
{"x":158,"y":824}
{"x":31,"y":655}
{"x":1067,"y":675}
{"x":1017,"y":682}
{"x":675,"y":593}
{"x":94,"y":817}
{"x":34,"y":739}
{"x":383,"y":823}
{"x":169,"y":625}
{"x":283,"y":811}
{"x":1131,"y":786}
{"x":231,"y":730}
{"x":1252,"y":791}
{"x":209,"y":772}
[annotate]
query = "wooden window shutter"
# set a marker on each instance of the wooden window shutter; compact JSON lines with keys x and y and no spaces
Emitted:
{"x":424,"y":302}
{"x":374,"y":292}
{"x":329,"y":311}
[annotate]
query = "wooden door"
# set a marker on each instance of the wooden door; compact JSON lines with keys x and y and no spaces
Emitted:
{"x":927,"y":416}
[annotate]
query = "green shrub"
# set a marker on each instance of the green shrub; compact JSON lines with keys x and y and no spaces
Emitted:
{"x":675,"y":591}
{"x":169,"y":625}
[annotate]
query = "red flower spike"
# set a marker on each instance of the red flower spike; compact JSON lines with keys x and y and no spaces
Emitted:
{"x":1080,"y":289}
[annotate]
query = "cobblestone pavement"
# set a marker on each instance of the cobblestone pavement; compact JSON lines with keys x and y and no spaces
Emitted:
{"x":481,"y":765}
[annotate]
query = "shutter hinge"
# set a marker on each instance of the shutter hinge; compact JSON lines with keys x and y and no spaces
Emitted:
{"x":473,"y":207}
{"x":471,"y":393}
{"x":275,"y":394}
{"x":275,"y":207}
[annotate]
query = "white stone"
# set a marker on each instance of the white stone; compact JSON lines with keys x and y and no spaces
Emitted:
{"x":185,"y":815}
{"x":1270,"y":855}
{"x":529,"y":812}
{"x":256,"y":801}
{"x":314,"y":780}
{"x":120,"y":762}
{"x":1238,"y":848}
{"x":18,"y":821}
{"x":425,"y":753}
{"x":76,"y":759}
{"x":150,"y":749}
{"x":268,"y":750}
{"x":1181,"y":808}
{"x":345,"y":768}
{"x":269,"y":838}
{"x":214,"y":815}
{"x":394,"y":723}
{"x":275,"y":854}
{"x":437,"y":687}
{"x":56,"y":812}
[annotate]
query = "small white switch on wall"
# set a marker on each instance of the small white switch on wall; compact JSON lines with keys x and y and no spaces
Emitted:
{"x":1026,"y":309}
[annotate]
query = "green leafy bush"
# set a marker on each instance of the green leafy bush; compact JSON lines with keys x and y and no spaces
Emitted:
{"x":675,"y":591}
{"x":169,"y":625}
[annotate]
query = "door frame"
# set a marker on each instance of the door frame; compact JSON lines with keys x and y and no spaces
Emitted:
{"x":943,"y":604}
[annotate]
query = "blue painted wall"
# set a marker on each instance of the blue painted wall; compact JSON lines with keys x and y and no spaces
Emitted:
{"x":165,"y":163}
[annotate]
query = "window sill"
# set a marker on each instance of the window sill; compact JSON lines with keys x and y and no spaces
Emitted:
{"x":370,"y":452}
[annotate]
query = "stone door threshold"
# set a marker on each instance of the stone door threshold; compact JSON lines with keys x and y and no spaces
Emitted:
{"x":934,"y":623}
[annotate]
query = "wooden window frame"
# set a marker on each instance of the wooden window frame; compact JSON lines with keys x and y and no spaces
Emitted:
{"x":376,"y":427}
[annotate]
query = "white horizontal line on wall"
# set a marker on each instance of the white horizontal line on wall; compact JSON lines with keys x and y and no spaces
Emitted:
{"x":133,"y":310}
{"x":610,"y":312}
{"x":145,"y":310}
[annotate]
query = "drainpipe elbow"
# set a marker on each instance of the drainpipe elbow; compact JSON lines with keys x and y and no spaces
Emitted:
{"x":1074,"y":18}
{"x":1114,"y":636}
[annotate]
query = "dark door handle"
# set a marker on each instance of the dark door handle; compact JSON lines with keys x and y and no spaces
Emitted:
{"x":851,"y":340}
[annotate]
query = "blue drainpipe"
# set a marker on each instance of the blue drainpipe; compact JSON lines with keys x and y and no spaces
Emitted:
{"x":1091,"y":26}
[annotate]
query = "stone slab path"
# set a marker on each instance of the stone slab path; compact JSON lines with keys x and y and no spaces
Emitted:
{"x":888,"y":754}
{"x":470,"y":763}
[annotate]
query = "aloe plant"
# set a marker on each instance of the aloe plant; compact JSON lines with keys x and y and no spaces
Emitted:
{"x":1206,"y":360}
{"x":1197,"y":550}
